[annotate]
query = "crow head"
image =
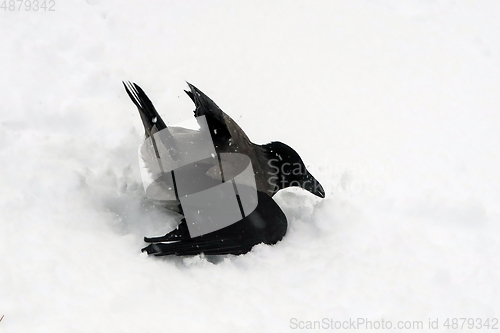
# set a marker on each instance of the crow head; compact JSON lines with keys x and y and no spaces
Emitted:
{"x":286,"y":169}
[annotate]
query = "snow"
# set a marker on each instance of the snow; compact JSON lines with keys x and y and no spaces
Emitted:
{"x":393,"y":106}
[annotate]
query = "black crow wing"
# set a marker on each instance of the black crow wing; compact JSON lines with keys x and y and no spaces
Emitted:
{"x":150,"y":118}
{"x":266,"y":224}
{"x":216,"y":118}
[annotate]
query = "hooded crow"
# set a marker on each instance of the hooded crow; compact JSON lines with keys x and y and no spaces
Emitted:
{"x":275,"y":166}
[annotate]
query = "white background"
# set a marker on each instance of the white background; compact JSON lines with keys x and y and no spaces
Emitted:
{"x":393,"y":105}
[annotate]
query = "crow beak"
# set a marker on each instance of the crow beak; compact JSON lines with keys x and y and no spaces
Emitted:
{"x":312,"y":185}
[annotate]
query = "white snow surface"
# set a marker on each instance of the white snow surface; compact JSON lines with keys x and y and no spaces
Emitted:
{"x":393,"y":106}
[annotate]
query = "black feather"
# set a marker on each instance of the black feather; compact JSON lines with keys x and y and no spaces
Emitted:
{"x":147,"y":111}
{"x":213,"y":114}
{"x":266,"y":224}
